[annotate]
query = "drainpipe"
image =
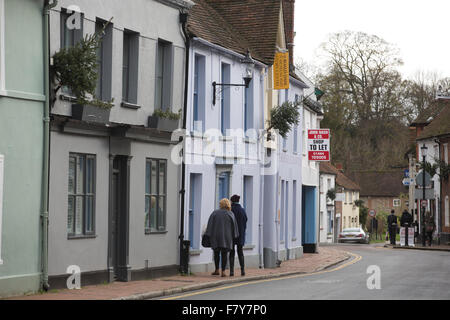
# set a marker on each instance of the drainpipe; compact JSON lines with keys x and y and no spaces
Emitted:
{"x":440,"y":196}
{"x":184,"y":20}
{"x":45,"y":174}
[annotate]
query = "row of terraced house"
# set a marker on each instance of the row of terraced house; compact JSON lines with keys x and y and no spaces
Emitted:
{"x":120,"y":195}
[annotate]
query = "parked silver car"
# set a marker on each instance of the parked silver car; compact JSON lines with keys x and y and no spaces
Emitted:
{"x":354,"y":235}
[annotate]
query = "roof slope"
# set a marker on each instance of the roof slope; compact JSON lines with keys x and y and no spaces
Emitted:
{"x":380,"y":183}
{"x":344,"y":181}
{"x":428,"y":115}
{"x":439,"y":126}
{"x":238,"y":25}
{"x":328,"y":168}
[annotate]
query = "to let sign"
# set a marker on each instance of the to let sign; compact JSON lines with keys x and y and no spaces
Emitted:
{"x":319,"y":145}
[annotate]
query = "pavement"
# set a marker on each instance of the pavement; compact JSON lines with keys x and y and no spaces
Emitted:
{"x":139,"y":290}
{"x":420,"y":247}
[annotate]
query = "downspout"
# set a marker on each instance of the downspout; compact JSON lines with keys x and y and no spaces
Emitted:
{"x":440,"y":195}
{"x":45,"y":174}
{"x":184,"y":20}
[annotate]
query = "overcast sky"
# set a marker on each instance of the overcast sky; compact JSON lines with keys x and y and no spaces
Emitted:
{"x":420,"y":29}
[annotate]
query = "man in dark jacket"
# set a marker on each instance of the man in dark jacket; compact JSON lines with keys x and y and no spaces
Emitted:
{"x":406,"y":219}
{"x":241,"y":220}
{"x":392,"y":225}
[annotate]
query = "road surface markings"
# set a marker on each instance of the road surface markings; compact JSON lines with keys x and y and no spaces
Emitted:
{"x":355,"y":259}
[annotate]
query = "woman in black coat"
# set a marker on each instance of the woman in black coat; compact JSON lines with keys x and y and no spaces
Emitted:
{"x":241,"y":219}
{"x":222,"y":231}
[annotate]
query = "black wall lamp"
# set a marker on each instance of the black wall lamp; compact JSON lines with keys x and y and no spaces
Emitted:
{"x":247,"y":76}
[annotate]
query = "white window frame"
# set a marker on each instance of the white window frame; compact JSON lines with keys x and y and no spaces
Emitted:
{"x":396,"y":203}
{"x":2,"y":162}
{"x":2,"y":48}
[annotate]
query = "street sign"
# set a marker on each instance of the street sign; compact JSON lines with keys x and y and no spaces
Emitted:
{"x":406,"y":173}
{"x":406,"y":182}
{"x":429,"y":193}
{"x":419,"y":179}
{"x":319,"y":145}
{"x":372,"y":213}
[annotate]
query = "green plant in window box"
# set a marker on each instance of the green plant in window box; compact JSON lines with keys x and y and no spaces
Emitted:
{"x":76,"y":68}
{"x":164,"y":120}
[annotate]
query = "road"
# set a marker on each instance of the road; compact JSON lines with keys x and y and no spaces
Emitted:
{"x":403,"y":275}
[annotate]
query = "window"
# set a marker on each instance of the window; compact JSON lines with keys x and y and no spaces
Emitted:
{"x":225,"y":103}
{"x":71,"y":33}
{"x":397,"y":202}
{"x":163,"y":76}
{"x":81,"y":200}
{"x":446,"y":153}
{"x":104,"y":61}
{"x":223,"y":186}
{"x":295,"y":149}
{"x":248,"y":107}
{"x":2,"y":161}
{"x":155,"y":195}
{"x":130,"y":67}
{"x":198,"y":112}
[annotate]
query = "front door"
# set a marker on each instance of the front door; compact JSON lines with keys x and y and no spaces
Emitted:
{"x":119,"y":219}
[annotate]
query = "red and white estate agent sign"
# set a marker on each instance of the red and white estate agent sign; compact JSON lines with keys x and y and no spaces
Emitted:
{"x":319,"y":145}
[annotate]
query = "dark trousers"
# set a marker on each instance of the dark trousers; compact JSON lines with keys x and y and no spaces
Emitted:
{"x":392,"y":234}
{"x":240,"y":257}
{"x":220,"y":253}
{"x":429,"y":236}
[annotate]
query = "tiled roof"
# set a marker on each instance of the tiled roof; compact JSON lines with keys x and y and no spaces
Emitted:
{"x":344,"y":181}
{"x":439,"y":126}
{"x":427,"y":115}
{"x":238,"y":25}
{"x":328,"y":168}
{"x":380,"y":183}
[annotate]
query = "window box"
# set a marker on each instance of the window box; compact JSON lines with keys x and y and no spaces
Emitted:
{"x":90,"y":113}
{"x":163,"y":124}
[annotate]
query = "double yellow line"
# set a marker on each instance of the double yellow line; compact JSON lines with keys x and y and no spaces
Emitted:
{"x":355,"y":259}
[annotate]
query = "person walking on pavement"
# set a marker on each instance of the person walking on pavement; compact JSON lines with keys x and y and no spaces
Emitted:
{"x":222,"y":230}
{"x":406,"y":219}
{"x":392,"y":225}
{"x":241,"y":219}
{"x":430,"y":226}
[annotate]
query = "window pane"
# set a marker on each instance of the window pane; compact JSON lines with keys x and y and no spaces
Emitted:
{"x":161,"y":214}
{"x":147,"y":212}
{"x":153,"y":210}
{"x":80,"y":175}
{"x":79,"y":216}
{"x":72,"y":165}
{"x":70,"y":216}
{"x":147,"y":176}
{"x":89,"y":214}
{"x":154,"y":189}
{"x":90,"y":175}
{"x":126,"y":67}
{"x":162,"y":177}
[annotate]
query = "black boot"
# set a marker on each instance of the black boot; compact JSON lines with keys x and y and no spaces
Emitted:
{"x":231,"y":265}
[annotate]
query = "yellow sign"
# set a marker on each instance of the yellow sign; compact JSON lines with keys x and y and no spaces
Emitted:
{"x":281,"y":71}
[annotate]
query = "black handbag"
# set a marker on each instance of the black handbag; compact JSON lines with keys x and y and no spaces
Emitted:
{"x":206,"y":241}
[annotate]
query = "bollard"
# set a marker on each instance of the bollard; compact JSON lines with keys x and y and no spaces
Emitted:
{"x":406,"y":235}
{"x":184,"y":263}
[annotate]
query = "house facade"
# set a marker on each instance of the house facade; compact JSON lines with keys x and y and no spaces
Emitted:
{"x":227,"y":151}
{"x":22,"y":103}
{"x":328,"y":174}
{"x":114,"y":186}
{"x":382,"y":191}
{"x":347,"y":193}
{"x":435,"y":136}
